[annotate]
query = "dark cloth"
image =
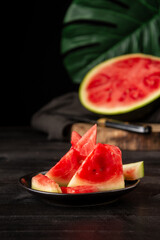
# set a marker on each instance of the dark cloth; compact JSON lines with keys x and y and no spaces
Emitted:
{"x":55,"y":118}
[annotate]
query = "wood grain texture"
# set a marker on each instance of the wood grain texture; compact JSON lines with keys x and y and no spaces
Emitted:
{"x":123,"y":139}
{"x":23,"y":216}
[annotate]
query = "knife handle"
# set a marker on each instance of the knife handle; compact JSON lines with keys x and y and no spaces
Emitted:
{"x":105,"y":122}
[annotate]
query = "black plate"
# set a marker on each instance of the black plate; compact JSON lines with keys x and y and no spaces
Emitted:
{"x":82,"y":199}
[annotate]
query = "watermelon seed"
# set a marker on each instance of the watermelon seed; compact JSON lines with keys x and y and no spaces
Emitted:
{"x":123,"y":96}
{"x":94,"y":170}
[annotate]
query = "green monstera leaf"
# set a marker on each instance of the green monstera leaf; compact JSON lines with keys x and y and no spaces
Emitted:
{"x":96,"y":30}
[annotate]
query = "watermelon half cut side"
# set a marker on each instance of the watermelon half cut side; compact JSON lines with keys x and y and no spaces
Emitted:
{"x":102,"y":169}
{"x":121,"y":84}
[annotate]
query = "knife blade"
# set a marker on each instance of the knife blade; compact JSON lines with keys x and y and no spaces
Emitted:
{"x":107,"y":122}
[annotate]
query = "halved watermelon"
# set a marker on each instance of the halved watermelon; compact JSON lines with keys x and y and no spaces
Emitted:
{"x":64,"y":170}
{"x":133,"y":171}
{"x":121,"y":85}
{"x":102,"y":168}
{"x":41,"y":182}
{"x":79,"y":189}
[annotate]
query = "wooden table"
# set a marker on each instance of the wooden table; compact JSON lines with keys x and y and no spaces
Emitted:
{"x":134,"y":216}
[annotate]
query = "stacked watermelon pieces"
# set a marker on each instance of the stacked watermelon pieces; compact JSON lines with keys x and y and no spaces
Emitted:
{"x":88,"y":167}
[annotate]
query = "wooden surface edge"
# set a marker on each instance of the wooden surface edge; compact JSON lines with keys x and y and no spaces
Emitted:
{"x":123,"y":139}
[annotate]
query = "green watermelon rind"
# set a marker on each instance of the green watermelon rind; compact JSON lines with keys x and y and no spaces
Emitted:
{"x":101,"y":110}
{"x":138,"y":168}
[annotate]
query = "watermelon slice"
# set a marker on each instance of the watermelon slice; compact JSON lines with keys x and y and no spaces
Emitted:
{"x":41,"y":182}
{"x":133,"y":171}
{"x":87,"y":143}
{"x":64,"y":170}
{"x":75,"y":137}
{"x":121,"y":85}
{"x":79,"y":189}
{"x":102,"y":168}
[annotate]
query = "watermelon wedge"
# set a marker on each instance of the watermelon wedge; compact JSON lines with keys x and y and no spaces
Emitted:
{"x":75,"y":137}
{"x":87,"y":143}
{"x":102,"y":168}
{"x":41,"y":182}
{"x":133,"y":171}
{"x":122,"y":85}
{"x":64,"y":170}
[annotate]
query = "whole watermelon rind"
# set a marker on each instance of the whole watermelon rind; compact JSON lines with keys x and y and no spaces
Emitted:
{"x":141,"y":114}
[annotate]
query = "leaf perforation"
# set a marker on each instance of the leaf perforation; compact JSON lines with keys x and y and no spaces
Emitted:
{"x":65,"y":54}
{"x":95,"y":22}
{"x":120,"y":3}
{"x":146,"y":4}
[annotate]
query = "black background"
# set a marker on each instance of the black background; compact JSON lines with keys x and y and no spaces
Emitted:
{"x":32,"y":68}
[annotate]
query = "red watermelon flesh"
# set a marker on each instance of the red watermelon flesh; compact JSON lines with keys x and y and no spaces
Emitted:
{"x":121,"y":84}
{"x":125,"y":82}
{"x":75,"y":137}
{"x":64,"y":170}
{"x":87,"y":142}
{"x":41,"y":182}
{"x":79,"y":189}
{"x":102,"y":169}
